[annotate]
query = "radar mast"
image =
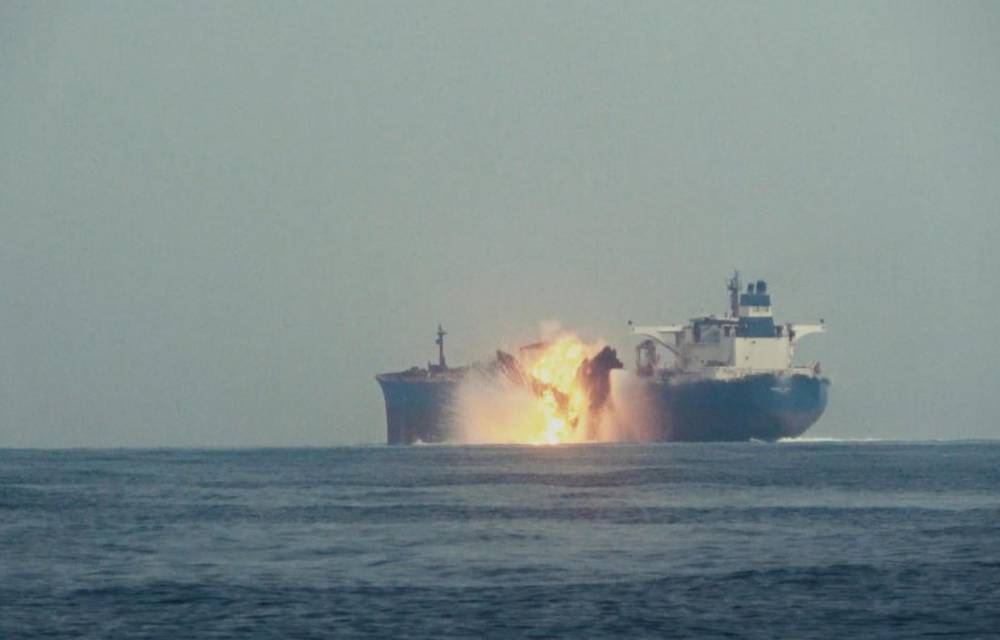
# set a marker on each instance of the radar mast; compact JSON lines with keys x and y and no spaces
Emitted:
{"x":734,"y":294}
{"x":441,"y":333}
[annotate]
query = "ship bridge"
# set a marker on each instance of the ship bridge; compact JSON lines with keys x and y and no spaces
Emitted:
{"x":745,"y":339}
{"x":755,"y":318}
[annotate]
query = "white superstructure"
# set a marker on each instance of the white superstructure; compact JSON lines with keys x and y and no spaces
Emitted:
{"x":745,"y":341}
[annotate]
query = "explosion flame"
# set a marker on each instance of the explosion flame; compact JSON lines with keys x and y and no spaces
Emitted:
{"x":562,"y":400}
{"x":553,"y":393}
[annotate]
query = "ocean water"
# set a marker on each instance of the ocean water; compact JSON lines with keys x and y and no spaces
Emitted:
{"x":793,"y":540}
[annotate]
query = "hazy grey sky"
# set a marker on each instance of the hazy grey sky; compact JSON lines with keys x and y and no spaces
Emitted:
{"x":220,"y":220}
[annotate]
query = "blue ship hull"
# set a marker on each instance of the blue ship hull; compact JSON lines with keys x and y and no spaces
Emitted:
{"x":417,"y":410}
{"x":755,"y":407}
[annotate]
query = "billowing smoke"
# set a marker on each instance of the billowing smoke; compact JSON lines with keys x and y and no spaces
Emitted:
{"x":559,"y":390}
{"x":493,"y":409}
{"x":630,"y":417}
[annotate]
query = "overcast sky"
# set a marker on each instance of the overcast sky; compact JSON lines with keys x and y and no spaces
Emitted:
{"x":218,"y":221}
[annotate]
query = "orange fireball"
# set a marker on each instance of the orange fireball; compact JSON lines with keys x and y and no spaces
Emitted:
{"x":561,"y":399}
{"x":552,"y":393}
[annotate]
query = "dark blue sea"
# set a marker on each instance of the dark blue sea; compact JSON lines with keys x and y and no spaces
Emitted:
{"x":789,"y":540}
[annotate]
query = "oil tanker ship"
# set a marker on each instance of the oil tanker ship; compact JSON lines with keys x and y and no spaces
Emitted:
{"x":729,"y":378}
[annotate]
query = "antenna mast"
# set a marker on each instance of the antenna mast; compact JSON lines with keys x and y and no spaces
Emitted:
{"x":441,"y":333}
{"x":734,"y":294}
